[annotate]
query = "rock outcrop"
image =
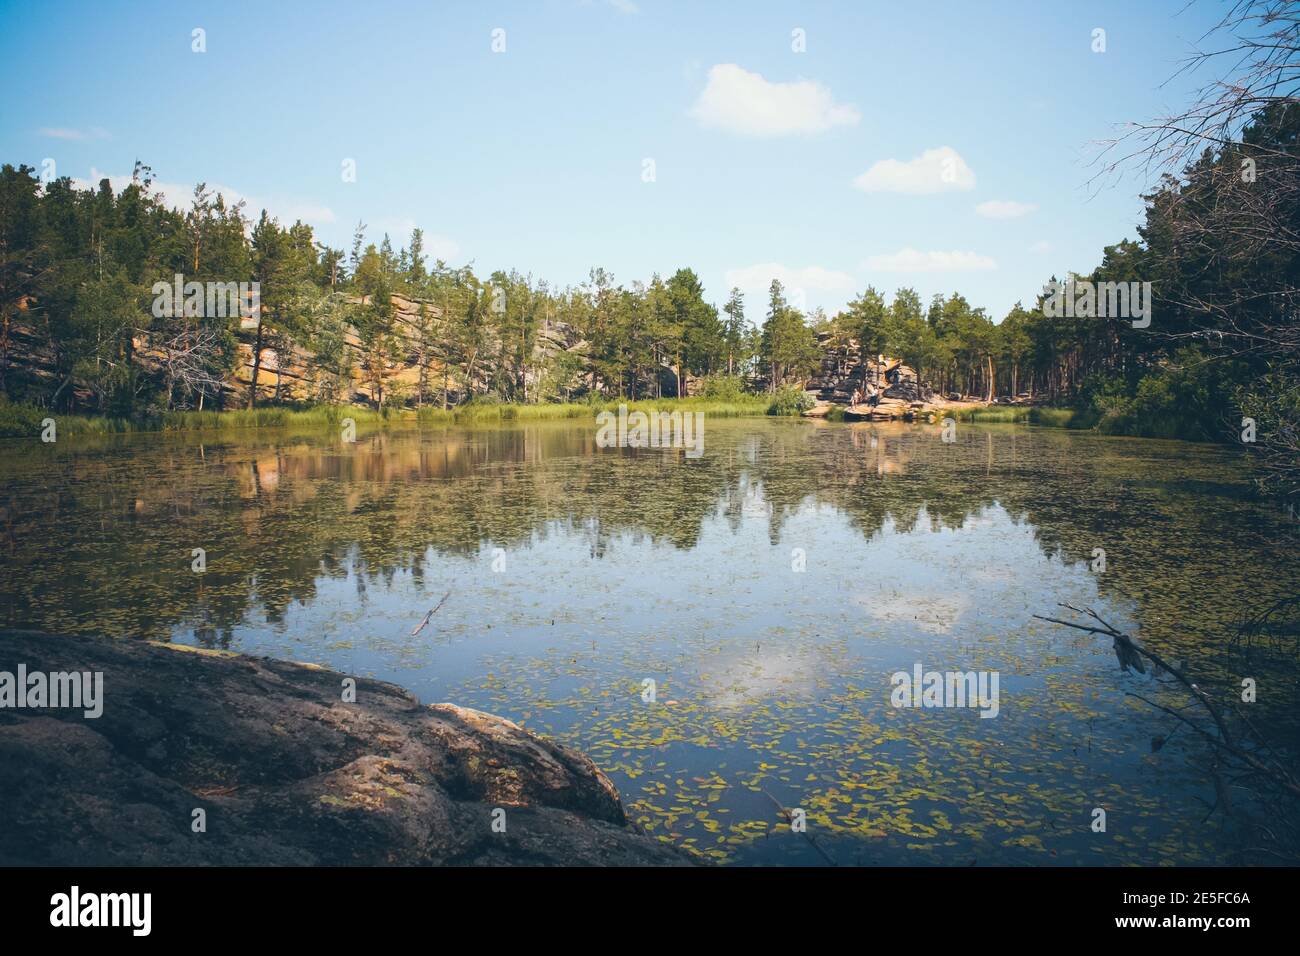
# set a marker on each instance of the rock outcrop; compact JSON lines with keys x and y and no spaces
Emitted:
{"x":885,"y":387}
{"x":287,"y":373}
{"x":284,"y":771}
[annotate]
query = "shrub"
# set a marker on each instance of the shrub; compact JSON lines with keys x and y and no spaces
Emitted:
{"x":20,"y":421}
{"x":1190,"y":396}
{"x":726,"y":388}
{"x":790,"y":400}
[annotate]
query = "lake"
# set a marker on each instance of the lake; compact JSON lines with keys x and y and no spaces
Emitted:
{"x":717,"y":633}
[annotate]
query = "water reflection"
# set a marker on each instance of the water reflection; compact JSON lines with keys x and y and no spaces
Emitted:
{"x":768,"y":587}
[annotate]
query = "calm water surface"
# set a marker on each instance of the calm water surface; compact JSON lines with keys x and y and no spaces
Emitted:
{"x":576,"y":574}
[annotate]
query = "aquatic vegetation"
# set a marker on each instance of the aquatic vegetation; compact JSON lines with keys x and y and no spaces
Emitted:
{"x":564,"y":592}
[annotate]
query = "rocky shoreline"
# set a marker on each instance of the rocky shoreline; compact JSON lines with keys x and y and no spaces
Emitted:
{"x":212,"y":758}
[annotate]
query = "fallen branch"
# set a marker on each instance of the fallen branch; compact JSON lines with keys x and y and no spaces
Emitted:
{"x":789,"y":818}
{"x":1225,"y":742}
{"x":420,"y":627}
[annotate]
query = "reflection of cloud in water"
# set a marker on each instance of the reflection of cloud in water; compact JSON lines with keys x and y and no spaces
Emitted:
{"x":934,"y":578}
{"x":993,"y":573}
{"x":748,"y":677}
{"x":935,"y":613}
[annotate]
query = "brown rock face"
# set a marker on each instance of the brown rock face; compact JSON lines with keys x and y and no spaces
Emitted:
{"x":285,"y":771}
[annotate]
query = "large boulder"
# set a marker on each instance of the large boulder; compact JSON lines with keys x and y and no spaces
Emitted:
{"x":285,"y":771}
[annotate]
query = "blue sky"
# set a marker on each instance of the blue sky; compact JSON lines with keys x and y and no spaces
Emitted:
{"x":939,"y":145}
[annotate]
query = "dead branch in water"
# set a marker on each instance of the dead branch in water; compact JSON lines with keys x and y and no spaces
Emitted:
{"x":789,"y":818}
{"x":1242,"y":755}
{"x":420,"y":627}
{"x":1273,"y":622}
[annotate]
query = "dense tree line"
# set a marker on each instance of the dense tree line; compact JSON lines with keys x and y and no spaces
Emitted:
{"x":77,"y":270}
{"x":77,"y":267}
{"x":1220,"y":245}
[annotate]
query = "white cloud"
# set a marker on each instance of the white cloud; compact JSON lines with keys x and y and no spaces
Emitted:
{"x":1005,"y":209}
{"x":805,"y":288}
{"x":66,"y":132}
{"x":742,"y":102}
{"x":441,"y":247}
{"x":934,"y":171}
{"x":1040,"y":247}
{"x":181,"y":195}
{"x":908,"y":259}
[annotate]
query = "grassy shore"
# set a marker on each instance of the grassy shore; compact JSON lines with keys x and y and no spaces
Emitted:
{"x":1033,"y":415}
{"x":26,"y":421}
{"x":1089,"y":419}
{"x":488,"y":413}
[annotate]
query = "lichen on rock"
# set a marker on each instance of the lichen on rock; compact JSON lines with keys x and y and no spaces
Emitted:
{"x":285,"y":771}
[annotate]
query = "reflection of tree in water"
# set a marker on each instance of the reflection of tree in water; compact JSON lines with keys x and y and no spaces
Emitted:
{"x":99,"y":538}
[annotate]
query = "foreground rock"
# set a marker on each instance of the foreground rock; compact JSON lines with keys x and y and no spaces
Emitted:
{"x":285,"y":771}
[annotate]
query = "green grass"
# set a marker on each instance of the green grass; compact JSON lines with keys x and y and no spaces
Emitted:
{"x":1005,"y":414}
{"x":271,"y":418}
{"x":1061,"y":417}
{"x":992,"y":415}
{"x":24,"y":421}
{"x":716,"y":407}
{"x":1075,"y":419}
{"x":487,"y":413}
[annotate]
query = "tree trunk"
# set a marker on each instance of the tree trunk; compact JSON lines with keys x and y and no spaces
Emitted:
{"x":257,"y":366}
